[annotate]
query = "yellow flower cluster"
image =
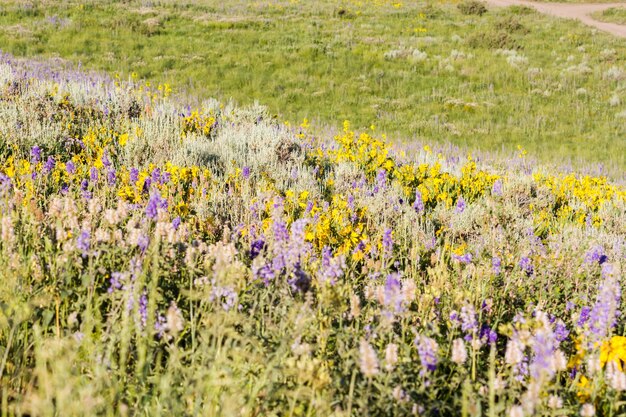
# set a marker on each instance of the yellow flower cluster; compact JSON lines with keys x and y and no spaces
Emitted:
{"x":576,"y":199}
{"x":198,"y":122}
{"x":335,"y":227}
{"x":592,"y":192}
{"x":435,"y":186}
{"x":614,"y":350}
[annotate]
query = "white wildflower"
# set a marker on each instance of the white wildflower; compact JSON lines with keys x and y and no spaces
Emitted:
{"x":8,"y":232}
{"x":174,"y":322}
{"x":355,"y":306}
{"x":587,"y":410}
{"x":555,"y":402}
{"x":459,"y":353}
{"x":369,"y":361}
{"x":418,"y":56}
{"x":616,"y":377}
{"x":516,"y":411}
{"x":514,"y":352}
{"x":614,"y":73}
{"x":614,"y":100}
{"x":391,"y":356}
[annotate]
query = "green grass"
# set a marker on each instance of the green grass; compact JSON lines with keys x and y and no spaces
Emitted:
{"x":613,"y":15}
{"x":334,"y":60}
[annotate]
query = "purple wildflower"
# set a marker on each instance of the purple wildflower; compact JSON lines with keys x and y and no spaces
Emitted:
{"x":418,"y":204}
{"x":526,"y":265}
{"x":520,"y":370}
{"x":160,"y":326}
{"x":496,"y":189}
{"x":246,"y":172}
{"x":381,"y":179}
{"x":469,"y":324}
{"x":156,"y":175}
{"x":332,"y":267}
{"x":596,"y":255}
{"x":464,"y":259}
{"x":488,"y":334}
{"x":297,"y":247}
{"x":543,"y":346}
{"x":155,"y":203}
{"x":266,"y":274}
{"x":5,"y":182}
{"x":279,"y":263}
{"x":560,"y":331}
{"x":93,"y":174}
{"x":143,"y":308}
{"x":105,"y":159}
{"x":454,"y":316}
{"x":176,"y":223}
{"x":584,"y":316}
{"x":603,"y":316}
{"x":300,"y":281}
{"x":70,"y":167}
{"x":226,"y":296}
{"x":134,"y":175}
{"x":351,"y":202}
{"x":460,"y":205}
{"x":83,"y":242}
{"x":35,"y":154}
{"x":427,"y":350}
{"x":143,"y":242}
{"x":496,"y":264}
{"x":256,"y":247}
{"x":388,"y":242}
{"x":115,"y":282}
{"x":49,"y":165}
{"x":393,"y":298}
{"x":111,"y":176}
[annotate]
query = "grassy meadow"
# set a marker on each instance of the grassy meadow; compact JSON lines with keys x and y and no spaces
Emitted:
{"x":165,"y":253}
{"x":417,"y":71}
{"x":613,"y":15}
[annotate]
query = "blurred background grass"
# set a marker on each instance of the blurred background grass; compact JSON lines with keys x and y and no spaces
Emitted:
{"x":419,"y":72}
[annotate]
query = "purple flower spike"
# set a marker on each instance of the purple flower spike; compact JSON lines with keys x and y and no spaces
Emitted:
{"x":388,"y":242}
{"x":497,"y":188}
{"x":70,"y":167}
{"x":134,"y":175}
{"x":427,"y":350}
{"x":256,"y":247}
{"x":496,"y":264}
{"x":111,"y":177}
{"x":460,"y":205}
{"x":83,"y":242}
{"x":526,"y":265}
{"x":49,"y":165}
{"x":418,"y":205}
{"x":35,"y":154}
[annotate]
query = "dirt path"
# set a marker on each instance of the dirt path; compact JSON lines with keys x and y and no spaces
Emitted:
{"x":571,"y":11}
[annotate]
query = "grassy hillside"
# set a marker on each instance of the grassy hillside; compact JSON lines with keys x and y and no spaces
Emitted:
{"x":418,"y":71}
{"x":613,"y":15}
{"x":164,"y":260}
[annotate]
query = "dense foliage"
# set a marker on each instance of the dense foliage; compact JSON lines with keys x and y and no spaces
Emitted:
{"x":163,"y":260}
